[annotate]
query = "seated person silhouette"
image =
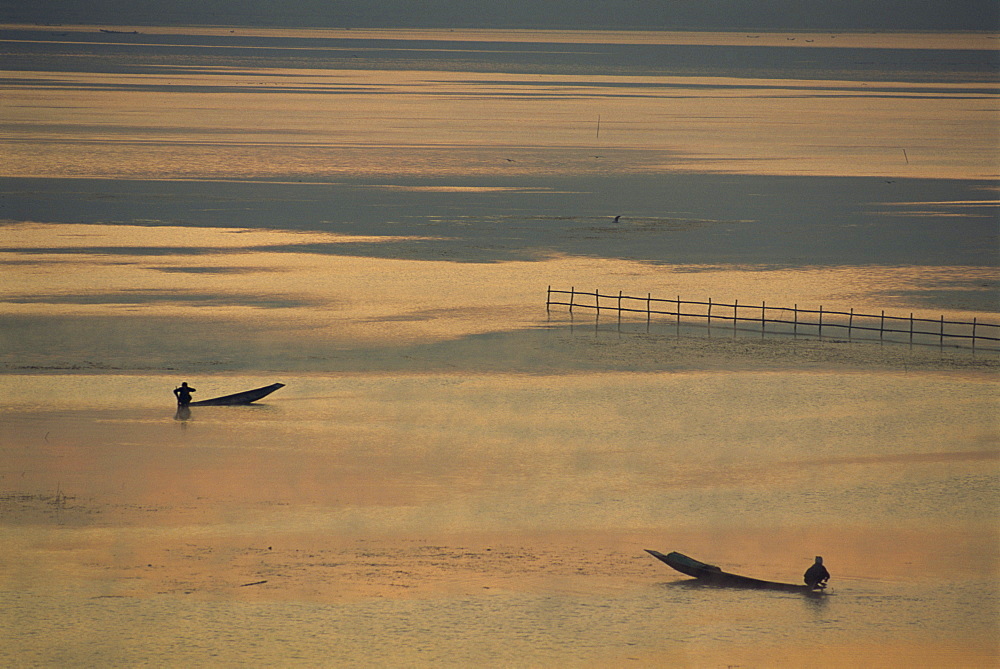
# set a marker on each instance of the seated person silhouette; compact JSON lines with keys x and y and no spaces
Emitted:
{"x":183,"y":394}
{"x":816,"y":576}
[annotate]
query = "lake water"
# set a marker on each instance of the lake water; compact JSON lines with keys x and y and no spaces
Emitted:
{"x":453,"y":475}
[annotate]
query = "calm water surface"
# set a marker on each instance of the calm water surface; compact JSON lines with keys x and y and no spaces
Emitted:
{"x":453,"y":476}
{"x":487,"y":518}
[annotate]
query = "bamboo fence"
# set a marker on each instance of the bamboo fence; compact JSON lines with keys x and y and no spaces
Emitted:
{"x":802,"y":321}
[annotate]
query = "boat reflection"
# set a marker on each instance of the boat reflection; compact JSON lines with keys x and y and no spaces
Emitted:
{"x":698,"y":584}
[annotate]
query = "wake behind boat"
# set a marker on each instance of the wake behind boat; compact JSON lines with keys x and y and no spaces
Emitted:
{"x":245,"y":397}
{"x":713,"y":575}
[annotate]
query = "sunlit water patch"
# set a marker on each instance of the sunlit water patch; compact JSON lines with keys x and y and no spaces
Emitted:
{"x":345,"y":506}
{"x":453,"y":476}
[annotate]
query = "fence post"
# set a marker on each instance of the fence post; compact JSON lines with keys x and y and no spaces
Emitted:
{"x":572,"y":294}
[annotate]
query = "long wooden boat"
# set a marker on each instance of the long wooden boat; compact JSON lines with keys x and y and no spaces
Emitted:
{"x":709,"y":573}
{"x":246,"y":397}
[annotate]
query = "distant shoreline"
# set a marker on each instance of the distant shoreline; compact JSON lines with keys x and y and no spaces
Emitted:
{"x":978,"y":40}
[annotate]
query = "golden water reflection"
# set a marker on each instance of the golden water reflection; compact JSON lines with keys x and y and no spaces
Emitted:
{"x":329,"y":123}
{"x":67,"y":271}
{"x":449,"y":511}
{"x":449,"y":493}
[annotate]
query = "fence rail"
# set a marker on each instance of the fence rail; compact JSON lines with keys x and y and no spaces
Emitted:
{"x":972,"y":331}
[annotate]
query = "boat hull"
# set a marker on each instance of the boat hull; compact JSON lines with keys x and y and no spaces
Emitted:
{"x":713,"y":575}
{"x":246,"y":397}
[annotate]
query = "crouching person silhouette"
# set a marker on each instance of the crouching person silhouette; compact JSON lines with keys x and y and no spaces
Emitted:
{"x":816,"y":576}
{"x":183,"y":394}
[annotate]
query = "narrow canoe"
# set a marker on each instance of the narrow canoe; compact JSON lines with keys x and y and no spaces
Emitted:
{"x":246,"y":397}
{"x":713,"y":575}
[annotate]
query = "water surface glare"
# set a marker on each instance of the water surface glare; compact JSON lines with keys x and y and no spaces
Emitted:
{"x":454,"y":475}
{"x":398,"y":502}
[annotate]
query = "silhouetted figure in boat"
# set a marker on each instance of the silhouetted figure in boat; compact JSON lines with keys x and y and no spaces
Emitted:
{"x":183,"y":394}
{"x":816,"y":576}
